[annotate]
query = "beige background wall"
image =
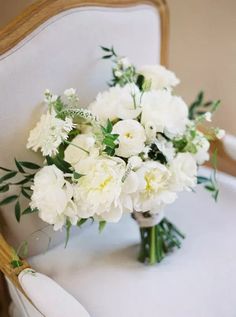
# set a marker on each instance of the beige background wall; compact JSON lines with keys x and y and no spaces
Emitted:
{"x":202,"y":51}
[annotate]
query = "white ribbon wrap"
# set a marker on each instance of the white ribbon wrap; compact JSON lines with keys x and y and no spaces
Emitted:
{"x":146,"y":222}
{"x":49,"y":298}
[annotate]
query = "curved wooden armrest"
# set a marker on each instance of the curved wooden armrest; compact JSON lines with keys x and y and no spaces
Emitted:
{"x":6,"y":256}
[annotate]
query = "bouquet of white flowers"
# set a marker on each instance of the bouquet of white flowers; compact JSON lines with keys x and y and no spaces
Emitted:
{"x":132,"y":150}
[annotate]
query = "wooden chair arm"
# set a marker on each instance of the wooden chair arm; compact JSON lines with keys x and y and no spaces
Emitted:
{"x":6,"y":255}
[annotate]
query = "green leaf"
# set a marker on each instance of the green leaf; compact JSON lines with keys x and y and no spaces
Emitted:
{"x":77,"y":175}
{"x":202,"y":179}
{"x":106,"y":49}
{"x":24,"y":193}
{"x":5,"y":169}
{"x":107,"y":56}
{"x":60,"y":163}
{"x":4,"y":188}
{"x":102,"y":225}
{"x":109,"y":126}
{"x":30,"y":165}
{"x":29,"y":211}
{"x":23,"y":249}
{"x":19,"y":167}
{"x":8,"y":200}
{"x":17,"y":211}
{"x":8,"y":176}
{"x":68,"y":227}
{"x":81,"y":222}
{"x":16,"y":263}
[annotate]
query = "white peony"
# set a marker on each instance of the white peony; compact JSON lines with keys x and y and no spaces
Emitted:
{"x":79,"y":148}
{"x":131,"y":137}
{"x":202,"y":148}
{"x":52,"y":196}
{"x":184,"y":171}
{"x":160,"y":76}
{"x":153,"y":191}
{"x":169,"y":114}
{"x":49,"y":133}
{"x":100,"y":192}
{"x":117,"y":103}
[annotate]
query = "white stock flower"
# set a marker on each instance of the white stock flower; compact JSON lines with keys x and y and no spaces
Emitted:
{"x":202,"y":148}
{"x":184,"y":171}
{"x":98,"y":192}
{"x":131,"y":137}
{"x":79,"y":148}
{"x":160,"y":76}
{"x":117,"y":103}
{"x":153,"y":191}
{"x":168,"y":113}
{"x":49,"y":133}
{"x":52,"y":196}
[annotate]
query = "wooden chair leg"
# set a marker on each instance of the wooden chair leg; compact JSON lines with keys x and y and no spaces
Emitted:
{"x":4,"y":297}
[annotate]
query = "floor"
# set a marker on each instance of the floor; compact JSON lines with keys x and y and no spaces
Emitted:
{"x":4,"y":297}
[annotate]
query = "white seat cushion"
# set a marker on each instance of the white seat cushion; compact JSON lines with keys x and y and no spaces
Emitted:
{"x":102,"y":272}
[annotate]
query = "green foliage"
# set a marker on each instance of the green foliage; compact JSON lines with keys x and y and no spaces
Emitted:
{"x":158,"y":241}
{"x":199,"y":107}
{"x":210,"y":183}
{"x":68,"y":227}
{"x":24,"y":185}
{"x":60,"y":163}
{"x":110,"y":140}
{"x":156,"y":155}
{"x":102,"y":225}
{"x":81,"y":221}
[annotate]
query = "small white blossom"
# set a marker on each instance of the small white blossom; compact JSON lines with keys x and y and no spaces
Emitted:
{"x":70,"y":92}
{"x":131,"y":137}
{"x":220,"y":133}
{"x":159,"y":76}
{"x":49,"y":97}
{"x":202,"y":148}
{"x":124,"y":62}
{"x":49,"y":133}
{"x":208,"y":116}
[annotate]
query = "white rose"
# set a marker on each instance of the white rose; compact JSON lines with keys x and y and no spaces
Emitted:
{"x":97,"y":194}
{"x":184,"y":171}
{"x":52,"y":196}
{"x":168,"y":113}
{"x":79,"y":148}
{"x":160,"y":76}
{"x":131,"y":137}
{"x":117,"y":103}
{"x":154,"y":188}
{"x":202,"y":147}
{"x":49,"y":133}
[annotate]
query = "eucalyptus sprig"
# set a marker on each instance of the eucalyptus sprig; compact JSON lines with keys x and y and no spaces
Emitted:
{"x":11,"y":178}
{"x":199,"y":107}
{"x":210,"y":183}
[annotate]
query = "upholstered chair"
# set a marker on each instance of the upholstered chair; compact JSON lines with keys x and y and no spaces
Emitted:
{"x":55,"y":44}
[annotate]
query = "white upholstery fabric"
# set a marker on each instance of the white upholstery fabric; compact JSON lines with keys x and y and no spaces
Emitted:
{"x":62,"y":53}
{"x":57,"y":302}
{"x":199,"y":280}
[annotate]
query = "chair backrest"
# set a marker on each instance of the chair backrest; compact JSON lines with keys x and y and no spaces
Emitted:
{"x":55,"y":44}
